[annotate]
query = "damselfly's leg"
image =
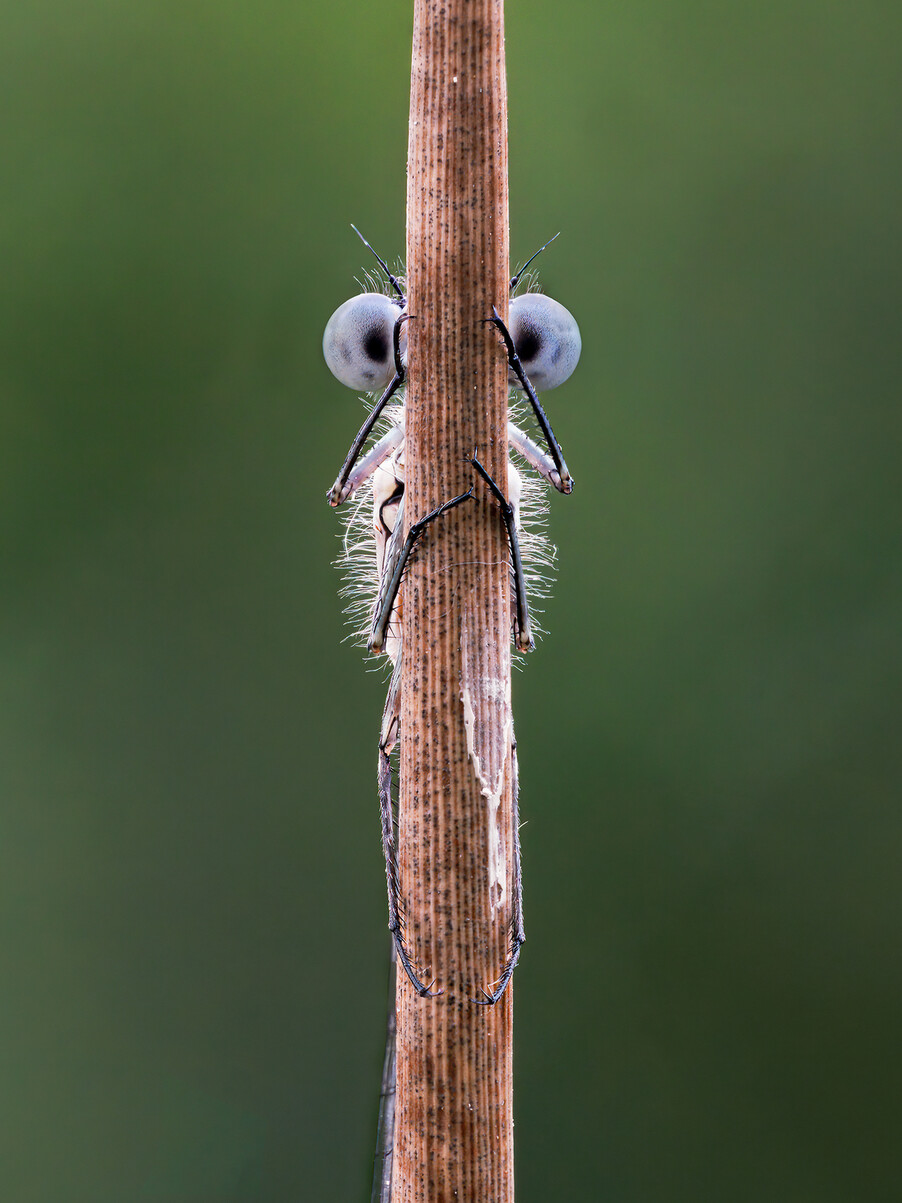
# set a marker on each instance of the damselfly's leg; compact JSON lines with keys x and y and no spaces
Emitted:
{"x":522,"y":630}
{"x":564,"y":482}
{"x":391,"y":723}
{"x":533,"y":454}
{"x":517,"y":930}
{"x":340,"y":491}
{"x":378,"y":454}
{"x":394,"y":570}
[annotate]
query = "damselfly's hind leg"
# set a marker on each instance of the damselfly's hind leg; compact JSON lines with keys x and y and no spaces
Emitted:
{"x":561,"y":478}
{"x":394,"y":570}
{"x":522,"y":630}
{"x":391,"y":724}
{"x":517,"y":930}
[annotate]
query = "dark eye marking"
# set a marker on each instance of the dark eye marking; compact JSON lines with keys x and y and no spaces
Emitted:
{"x":528,"y":344}
{"x":376,"y":346}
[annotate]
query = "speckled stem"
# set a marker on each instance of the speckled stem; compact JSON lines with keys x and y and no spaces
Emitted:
{"x":454,"y":1112}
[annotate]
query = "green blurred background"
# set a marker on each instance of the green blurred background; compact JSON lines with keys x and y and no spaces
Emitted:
{"x":192,"y":921}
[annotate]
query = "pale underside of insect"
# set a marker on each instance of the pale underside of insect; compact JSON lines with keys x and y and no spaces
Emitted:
{"x":364,"y":345}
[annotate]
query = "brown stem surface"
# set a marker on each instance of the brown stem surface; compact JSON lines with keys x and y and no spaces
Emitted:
{"x":454,"y":1113}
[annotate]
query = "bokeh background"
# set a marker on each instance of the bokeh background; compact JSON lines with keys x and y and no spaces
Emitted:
{"x":192,"y":907}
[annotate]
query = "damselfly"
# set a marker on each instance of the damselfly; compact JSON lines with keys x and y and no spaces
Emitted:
{"x":365,"y":347}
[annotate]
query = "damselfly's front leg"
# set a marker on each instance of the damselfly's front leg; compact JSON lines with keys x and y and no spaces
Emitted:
{"x":374,"y":458}
{"x":520,"y":441}
{"x":341,"y":490}
{"x":517,"y":930}
{"x":522,"y":630}
{"x":391,"y":724}
{"x":564,"y":481}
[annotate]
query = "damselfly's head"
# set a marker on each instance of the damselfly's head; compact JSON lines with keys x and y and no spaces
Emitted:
{"x":546,"y":338}
{"x":364,"y":342}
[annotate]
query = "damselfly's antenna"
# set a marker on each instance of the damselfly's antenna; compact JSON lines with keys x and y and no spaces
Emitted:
{"x":392,"y":278}
{"x":516,"y":279}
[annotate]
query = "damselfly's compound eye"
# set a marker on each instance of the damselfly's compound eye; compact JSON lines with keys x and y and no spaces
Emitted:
{"x":358,"y":342}
{"x":546,"y":337}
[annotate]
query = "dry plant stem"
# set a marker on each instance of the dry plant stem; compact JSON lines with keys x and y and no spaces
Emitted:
{"x":454,"y":1121}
